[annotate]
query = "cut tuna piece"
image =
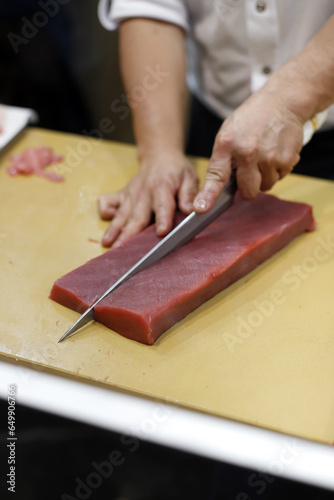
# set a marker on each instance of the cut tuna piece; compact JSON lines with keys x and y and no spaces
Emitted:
{"x":34,"y":161}
{"x":155,"y":299}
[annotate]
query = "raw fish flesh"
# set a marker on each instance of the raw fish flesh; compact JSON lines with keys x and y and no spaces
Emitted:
{"x":34,"y":161}
{"x":155,"y":299}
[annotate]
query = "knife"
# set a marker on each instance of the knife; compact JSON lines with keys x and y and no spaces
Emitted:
{"x":193,"y":224}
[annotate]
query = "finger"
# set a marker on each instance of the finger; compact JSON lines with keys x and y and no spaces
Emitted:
{"x":295,"y":161}
{"x":287,"y":161}
{"x":131,"y":219}
{"x":276,"y":165}
{"x":131,"y":229}
{"x":269,"y":176}
{"x":217,"y":176}
{"x":249,"y":180}
{"x":138,"y":221}
{"x":187,"y":192}
{"x":115,"y":227}
{"x":164,"y":206}
{"x":108,"y":205}
{"x":110,"y":235}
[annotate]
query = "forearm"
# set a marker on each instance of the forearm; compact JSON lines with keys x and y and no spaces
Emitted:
{"x":306,"y":82}
{"x":153,"y":58}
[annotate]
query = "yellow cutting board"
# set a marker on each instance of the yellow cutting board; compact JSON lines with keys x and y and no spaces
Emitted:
{"x":260,"y":352}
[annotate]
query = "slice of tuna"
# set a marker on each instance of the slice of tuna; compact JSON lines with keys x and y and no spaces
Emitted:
{"x":34,"y":161}
{"x":155,"y":299}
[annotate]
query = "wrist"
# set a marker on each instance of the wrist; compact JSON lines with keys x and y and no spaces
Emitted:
{"x":159,"y":151}
{"x":163,"y":161}
{"x":295,"y":95}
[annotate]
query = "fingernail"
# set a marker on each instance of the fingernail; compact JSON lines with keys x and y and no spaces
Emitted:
{"x":200,"y":204}
{"x":106,"y":241}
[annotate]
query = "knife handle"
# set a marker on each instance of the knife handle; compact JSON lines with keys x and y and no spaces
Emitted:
{"x":312,"y":125}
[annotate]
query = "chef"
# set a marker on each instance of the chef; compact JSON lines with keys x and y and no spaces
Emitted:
{"x":256,"y":71}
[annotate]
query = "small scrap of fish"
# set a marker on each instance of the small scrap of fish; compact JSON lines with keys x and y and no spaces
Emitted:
{"x":34,"y":161}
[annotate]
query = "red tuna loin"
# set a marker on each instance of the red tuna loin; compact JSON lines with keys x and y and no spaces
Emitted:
{"x":155,"y":299}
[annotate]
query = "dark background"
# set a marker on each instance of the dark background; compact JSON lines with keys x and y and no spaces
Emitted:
{"x":64,"y":65}
{"x":55,"y":455}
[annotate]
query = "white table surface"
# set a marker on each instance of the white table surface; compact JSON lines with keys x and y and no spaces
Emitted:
{"x":12,"y":120}
{"x":164,"y":424}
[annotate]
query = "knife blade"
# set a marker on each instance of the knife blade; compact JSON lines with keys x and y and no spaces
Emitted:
{"x":193,"y":224}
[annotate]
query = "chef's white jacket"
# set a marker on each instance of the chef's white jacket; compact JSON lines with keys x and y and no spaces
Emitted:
{"x":233,"y":45}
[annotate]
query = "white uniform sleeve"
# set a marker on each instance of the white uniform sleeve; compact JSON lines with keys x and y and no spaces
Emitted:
{"x":172,"y":11}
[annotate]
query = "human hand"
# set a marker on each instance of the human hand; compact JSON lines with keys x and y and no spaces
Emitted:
{"x":161,"y":183}
{"x":262,"y":139}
